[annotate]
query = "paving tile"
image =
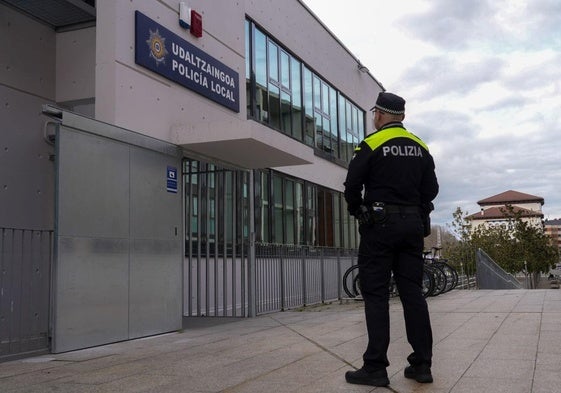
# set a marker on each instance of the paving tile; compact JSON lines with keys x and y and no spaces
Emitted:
{"x":501,"y":368}
{"x":492,"y":385}
{"x":484,"y":341}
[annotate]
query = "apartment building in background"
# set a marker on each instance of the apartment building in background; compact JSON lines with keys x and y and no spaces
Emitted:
{"x":494,"y":211}
{"x":552,"y":229}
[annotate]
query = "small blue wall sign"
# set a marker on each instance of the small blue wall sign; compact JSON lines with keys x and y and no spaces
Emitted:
{"x":171,"y":179}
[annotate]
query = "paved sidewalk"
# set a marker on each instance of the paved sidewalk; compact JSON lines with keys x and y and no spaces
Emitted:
{"x":485,"y":341}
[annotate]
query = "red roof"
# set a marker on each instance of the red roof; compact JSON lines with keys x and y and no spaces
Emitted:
{"x":510,"y":197}
{"x":501,"y":212}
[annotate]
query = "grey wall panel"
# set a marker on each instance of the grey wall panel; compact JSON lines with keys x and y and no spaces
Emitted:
{"x":28,"y":50}
{"x":156,"y":262}
{"x":118,"y":264}
{"x":155,"y":287}
{"x":91,"y":293}
{"x":153,"y":209}
{"x":93,"y":180}
{"x":26,"y":173}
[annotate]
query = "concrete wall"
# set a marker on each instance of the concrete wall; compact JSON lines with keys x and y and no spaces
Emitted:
{"x":27,"y":80}
{"x":132,"y":97}
{"x":38,"y":66}
{"x":75,"y":70}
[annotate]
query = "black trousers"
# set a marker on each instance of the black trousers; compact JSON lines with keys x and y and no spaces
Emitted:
{"x":394,"y":245}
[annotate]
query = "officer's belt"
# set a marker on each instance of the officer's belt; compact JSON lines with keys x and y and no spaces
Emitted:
{"x":401,"y":209}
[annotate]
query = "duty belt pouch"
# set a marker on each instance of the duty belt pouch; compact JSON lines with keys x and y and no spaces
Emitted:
{"x":378,"y":212}
{"x":426,"y":225}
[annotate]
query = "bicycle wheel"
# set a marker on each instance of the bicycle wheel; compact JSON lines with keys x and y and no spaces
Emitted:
{"x":348,"y":285}
{"x":428,"y":283}
{"x":392,"y":287}
{"x":356,"y":286}
{"x":439,"y":280}
{"x":451,"y":275}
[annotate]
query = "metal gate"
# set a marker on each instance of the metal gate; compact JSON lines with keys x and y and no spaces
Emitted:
{"x":216,"y":240}
{"x":117,"y":244}
{"x":25,"y":263}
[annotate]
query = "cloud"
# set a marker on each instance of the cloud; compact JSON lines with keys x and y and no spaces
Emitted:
{"x":453,"y":25}
{"x":436,"y":76}
{"x":529,"y":25}
{"x":533,"y":70}
{"x":482,"y":83}
{"x":496,"y":26}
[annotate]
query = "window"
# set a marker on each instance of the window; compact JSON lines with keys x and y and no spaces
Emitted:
{"x":277,"y":210}
{"x":287,"y":210}
{"x":288,"y":96}
{"x":351,"y":124}
{"x":301,"y":213}
{"x":216,"y":209}
{"x":325,"y":114}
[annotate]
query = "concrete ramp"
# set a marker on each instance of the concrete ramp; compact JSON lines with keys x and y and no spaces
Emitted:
{"x":492,"y":276}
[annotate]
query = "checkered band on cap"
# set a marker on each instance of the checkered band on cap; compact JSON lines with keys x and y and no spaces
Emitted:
{"x":390,"y":103}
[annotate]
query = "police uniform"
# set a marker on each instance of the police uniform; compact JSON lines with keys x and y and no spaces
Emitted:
{"x":397,"y":173}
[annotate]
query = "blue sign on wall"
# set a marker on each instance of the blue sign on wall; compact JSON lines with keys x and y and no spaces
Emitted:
{"x":169,"y":55}
{"x":171,"y":179}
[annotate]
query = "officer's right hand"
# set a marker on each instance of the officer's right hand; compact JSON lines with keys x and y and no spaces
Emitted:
{"x":363,"y":215}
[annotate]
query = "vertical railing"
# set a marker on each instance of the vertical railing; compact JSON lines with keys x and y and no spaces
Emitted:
{"x":25,"y":261}
{"x":285,"y":277}
{"x":291,"y":276}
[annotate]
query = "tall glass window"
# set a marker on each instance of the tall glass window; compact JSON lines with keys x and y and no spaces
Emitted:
{"x":261,"y":93}
{"x":248,"y":46}
{"x":299,"y":210}
{"x":287,"y":95}
{"x":296,"y":112}
{"x":311,"y":214}
{"x":309,"y":123}
{"x":325,"y":114}
{"x":277,"y":210}
{"x":351,"y":124}
{"x":286,"y":211}
{"x":289,"y":212}
{"x":216,"y":210}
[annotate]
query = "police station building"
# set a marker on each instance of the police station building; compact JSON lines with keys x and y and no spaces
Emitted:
{"x":170,"y":159}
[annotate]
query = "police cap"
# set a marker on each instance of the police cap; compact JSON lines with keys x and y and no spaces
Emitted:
{"x":390,"y":103}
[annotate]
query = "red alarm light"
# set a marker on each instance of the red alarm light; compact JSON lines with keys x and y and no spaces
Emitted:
{"x":196,"y":24}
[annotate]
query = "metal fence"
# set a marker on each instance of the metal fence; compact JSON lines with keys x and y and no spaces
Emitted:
{"x":216,"y":286}
{"x":286,"y":277}
{"x":466,"y":282}
{"x":25,"y":262}
{"x":289,"y":276}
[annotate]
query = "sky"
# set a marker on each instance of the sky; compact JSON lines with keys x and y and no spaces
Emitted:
{"x":482,"y":81}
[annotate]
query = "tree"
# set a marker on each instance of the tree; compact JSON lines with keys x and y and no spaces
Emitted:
{"x":459,"y":249}
{"x":514,"y":244}
{"x":535,"y":248}
{"x":498,"y":242}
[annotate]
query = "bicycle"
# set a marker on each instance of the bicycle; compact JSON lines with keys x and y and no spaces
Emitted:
{"x":353,"y":290}
{"x":447,"y":275}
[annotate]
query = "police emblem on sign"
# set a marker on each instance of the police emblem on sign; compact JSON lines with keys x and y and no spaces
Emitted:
{"x":157,"y":45}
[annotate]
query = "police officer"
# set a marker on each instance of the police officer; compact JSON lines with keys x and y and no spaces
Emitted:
{"x":398,"y":176}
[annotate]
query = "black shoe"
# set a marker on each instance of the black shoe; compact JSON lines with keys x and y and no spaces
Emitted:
{"x":420,"y":373}
{"x":363,"y":377}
